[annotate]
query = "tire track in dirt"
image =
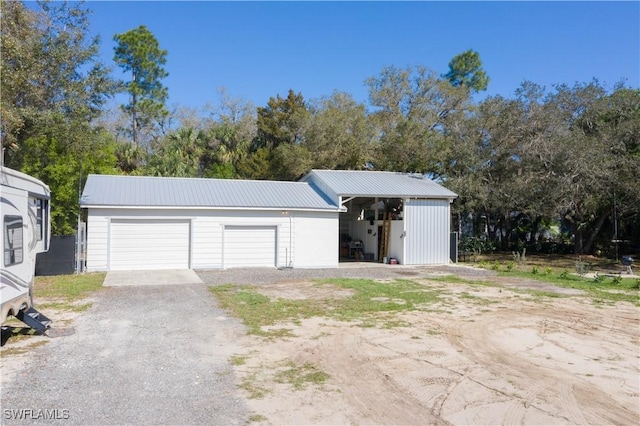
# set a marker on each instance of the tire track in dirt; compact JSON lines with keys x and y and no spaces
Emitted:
{"x":379,"y":397}
{"x":558,"y":391}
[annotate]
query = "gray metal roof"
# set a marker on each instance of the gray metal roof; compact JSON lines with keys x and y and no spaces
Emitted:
{"x":363,"y":183}
{"x":144,"y":191}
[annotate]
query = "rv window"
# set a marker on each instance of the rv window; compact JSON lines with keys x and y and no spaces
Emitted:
{"x":37,"y":206}
{"x":13,"y":240}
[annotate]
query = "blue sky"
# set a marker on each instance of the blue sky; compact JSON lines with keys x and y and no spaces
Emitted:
{"x":257,"y":50}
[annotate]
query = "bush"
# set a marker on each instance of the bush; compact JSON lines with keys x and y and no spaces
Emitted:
{"x":476,"y":245}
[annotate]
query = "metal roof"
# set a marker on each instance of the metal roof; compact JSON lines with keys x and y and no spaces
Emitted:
{"x":364,"y":183}
{"x":144,"y":191}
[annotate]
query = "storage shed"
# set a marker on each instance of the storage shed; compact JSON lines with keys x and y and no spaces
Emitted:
{"x":179,"y":223}
{"x":399,"y":216}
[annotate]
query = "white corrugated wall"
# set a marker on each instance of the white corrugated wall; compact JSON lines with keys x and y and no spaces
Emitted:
{"x":427,"y":224}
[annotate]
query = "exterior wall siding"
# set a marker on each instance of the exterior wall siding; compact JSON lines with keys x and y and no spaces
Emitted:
{"x":97,"y":241}
{"x":315,"y":234}
{"x":427,"y":231}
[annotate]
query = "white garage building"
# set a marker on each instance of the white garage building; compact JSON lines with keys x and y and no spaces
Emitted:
{"x":183,"y":223}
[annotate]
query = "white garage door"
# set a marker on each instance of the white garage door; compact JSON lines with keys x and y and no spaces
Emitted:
{"x":249,"y":246}
{"x":149,"y":244}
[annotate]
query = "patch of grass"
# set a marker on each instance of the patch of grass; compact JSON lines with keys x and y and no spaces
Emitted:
{"x":68,"y":287}
{"x":604,"y":290}
{"x":65,"y":306}
{"x":255,"y":391}
{"x":257,"y":418}
{"x":369,"y":299}
{"x":395,"y":324}
{"x":453,"y":279}
{"x":374,"y":296}
{"x":238,"y":359}
{"x":23,"y":349}
{"x":541,"y":293}
{"x":300,"y":376}
{"x":257,"y":310}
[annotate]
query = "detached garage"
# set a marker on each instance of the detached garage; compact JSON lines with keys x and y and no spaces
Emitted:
{"x":143,"y":223}
{"x":136,"y":222}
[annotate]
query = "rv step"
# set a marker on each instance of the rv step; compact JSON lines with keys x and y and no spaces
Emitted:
{"x":34,"y":319}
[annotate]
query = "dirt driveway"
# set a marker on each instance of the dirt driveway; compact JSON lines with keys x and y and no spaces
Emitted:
{"x":480,"y":355}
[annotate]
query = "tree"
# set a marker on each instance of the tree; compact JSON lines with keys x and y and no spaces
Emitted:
{"x":48,"y":159}
{"x":177,"y":155}
{"x":414,"y":111}
{"x":339,"y":135}
{"x":52,"y":80}
{"x":53,"y":89}
{"x":231,"y":131}
{"x":466,"y":70}
{"x":282,"y":121}
{"x":139,"y":53}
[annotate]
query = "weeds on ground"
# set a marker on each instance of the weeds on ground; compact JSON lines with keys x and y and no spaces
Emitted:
{"x":68,"y":287}
{"x":369,"y":299}
{"x":300,"y":376}
{"x":602,"y":288}
{"x":257,"y":418}
{"x":23,"y":349}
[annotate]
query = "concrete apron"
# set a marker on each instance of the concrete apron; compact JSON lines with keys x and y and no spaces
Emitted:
{"x":157,"y":277}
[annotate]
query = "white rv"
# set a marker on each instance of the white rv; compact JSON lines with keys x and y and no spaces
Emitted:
{"x":26,"y":230}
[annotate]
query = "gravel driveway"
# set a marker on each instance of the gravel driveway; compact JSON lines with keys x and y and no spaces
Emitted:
{"x":140,"y":355}
{"x":257,"y":276}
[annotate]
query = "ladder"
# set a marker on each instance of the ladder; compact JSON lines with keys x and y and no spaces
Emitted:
{"x":384,"y":240}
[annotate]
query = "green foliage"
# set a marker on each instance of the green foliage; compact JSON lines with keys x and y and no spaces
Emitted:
{"x":339,"y":135}
{"x":138,"y":52}
{"x":53,"y":87}
{"x":52,"y":80}
{"x":466,"y":70}
{"x":602,"y":289}
{"x":415,"y":109}
{"x":256,"y":165}
{"x":476,"y":245}
{"x":535,"y":270}
{"x":177,"y":155}
{"x":282,"y":121}
{"x":290,"y":162}
{"x":51,"y":161}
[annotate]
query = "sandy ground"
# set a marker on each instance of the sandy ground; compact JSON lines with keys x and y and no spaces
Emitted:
{"x":484,"y":355}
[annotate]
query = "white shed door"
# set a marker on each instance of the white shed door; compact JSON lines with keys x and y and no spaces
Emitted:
{"x":249,"y":246}
{"x":149,"y":244}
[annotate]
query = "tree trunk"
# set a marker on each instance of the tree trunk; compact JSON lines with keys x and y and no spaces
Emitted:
{"x":588,"y":245}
